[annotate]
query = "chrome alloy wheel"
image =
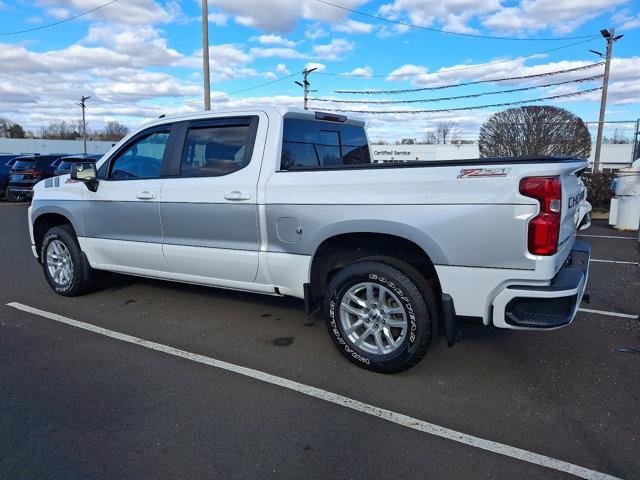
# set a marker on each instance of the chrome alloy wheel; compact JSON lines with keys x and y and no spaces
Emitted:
{"x":59,"y":263}
{"x":373,"y":318}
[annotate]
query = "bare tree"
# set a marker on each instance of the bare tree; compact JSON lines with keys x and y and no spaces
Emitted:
{"x":445,"y":132}
{"x":534,"y":131}
{"x":618,"y":137}
{"x":114,"y":131}
{"x":61,"y":130}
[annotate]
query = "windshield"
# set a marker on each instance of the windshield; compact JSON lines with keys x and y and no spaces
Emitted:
{"x":23,"y":165}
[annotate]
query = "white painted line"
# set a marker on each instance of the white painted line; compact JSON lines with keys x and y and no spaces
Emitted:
{"x":613,"y":261}
{"x":611,"y":314}
{"x":609,"y":236}
{"x":372,"y":410}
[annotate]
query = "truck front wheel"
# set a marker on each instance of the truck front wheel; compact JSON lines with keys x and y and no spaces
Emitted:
{"x":66,"y":271}
{"x":381,"y":314}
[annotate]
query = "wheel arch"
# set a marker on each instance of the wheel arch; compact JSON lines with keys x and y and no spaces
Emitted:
{"x":341,"y":249}
{"x":46,"y":220}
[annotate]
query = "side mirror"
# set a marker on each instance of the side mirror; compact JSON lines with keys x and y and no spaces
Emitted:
{"x":85,"y":172}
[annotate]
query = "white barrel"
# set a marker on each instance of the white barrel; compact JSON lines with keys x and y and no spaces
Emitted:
{"x":628,"y":196}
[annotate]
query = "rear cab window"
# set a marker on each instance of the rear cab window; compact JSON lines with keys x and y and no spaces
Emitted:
{"x":66,"y":164}
{"x":322,"y":144}
{"x":23,"y":165}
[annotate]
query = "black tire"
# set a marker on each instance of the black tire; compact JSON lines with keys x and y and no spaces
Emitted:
{"x":415,"y":295}
{"x":84,"y":279}
{"x":14,"y":197}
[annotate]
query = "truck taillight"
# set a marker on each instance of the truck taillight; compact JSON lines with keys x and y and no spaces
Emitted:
{"x":544,"y":228}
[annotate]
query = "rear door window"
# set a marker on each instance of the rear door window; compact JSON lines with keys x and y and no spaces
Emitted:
{"x":313,"y":143}
{"x":217,"y":147}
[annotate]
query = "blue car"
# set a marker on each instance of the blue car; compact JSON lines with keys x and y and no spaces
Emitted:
{"x":6,"y":162}
{"x":26,"y":171}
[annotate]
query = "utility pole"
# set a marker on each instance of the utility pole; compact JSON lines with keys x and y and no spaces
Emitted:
{"x":305,"y":84}
{"x":205,"y":55}
{"x":84,"y":123}
{"x":610,"y":39}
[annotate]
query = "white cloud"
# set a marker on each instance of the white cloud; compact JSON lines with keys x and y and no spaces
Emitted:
{"x":282,"y":15}
{"x":623,"y":86}
{"x":273,"y":39}
{"x":137,"y":85}
{"x":280,"y":52}
{"x":354,"y":27}
{"x":626,"y":19}
{"x":59,"y":13}
{"x":131,"y":12}
{"x":334,"y":50}
{"x":282,"y":69}
{"x":218,"y":19}
{"x":34,"y":19}
{"x":315,"y":32}
{"x":360,"y":72}
{"x":452,"y":15}
{"x":320,"y":67}
{"x":142,"y":42}
{"x":518,"y":17}
{"x":561,"y":16}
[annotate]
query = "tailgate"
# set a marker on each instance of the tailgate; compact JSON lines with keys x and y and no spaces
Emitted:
{"x":573,"y":195}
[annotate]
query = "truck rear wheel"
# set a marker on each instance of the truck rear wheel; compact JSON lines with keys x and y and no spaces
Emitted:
{"x":66,"y":269}
{"x":381,"y":314}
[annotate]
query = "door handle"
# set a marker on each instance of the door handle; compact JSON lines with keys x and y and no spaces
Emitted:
{"x":236,"y":195}
{"x":145,"y":195}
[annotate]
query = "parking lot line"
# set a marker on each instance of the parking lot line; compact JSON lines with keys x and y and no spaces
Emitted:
{"x":613,"y":261}
{"x":611,"y":314}
{"x":388,"y":415}
{"x":609,"y":236}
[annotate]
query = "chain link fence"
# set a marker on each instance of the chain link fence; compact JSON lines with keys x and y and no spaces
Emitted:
{"x":620,"y":144}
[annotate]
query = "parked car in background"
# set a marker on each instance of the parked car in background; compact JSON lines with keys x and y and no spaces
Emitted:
{"x":64,"y":163}
{"x":6,"y":162}
{"x":28,"y":170}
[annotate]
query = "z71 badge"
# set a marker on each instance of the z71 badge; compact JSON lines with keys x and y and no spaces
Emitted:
{"x":483,"y":172}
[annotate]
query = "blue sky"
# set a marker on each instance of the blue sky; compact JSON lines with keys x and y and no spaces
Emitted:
{"x":140,"y":58}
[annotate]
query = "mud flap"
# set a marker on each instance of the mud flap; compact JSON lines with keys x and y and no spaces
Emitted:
{"x":452,"y":328}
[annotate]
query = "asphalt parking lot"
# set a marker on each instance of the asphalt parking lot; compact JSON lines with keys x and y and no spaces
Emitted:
{"x":75,"y":403}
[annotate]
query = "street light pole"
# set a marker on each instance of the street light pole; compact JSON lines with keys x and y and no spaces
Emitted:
{"x":305,"y":84}
{"x":611,"y":39}
{"x":205,"y":55}
{"x":84,"y":123}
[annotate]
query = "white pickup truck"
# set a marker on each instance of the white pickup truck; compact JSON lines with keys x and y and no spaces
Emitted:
{"x":283,"y":201}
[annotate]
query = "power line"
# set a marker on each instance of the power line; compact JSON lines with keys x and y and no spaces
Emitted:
{"x":258,"y":86}
{"x":464,"y":84}
{"x":470,"y":67}
{"x":449,"y":32}
{"x":477,"y":107}
{"x":457,"y":97}
{"x":60,"y":21}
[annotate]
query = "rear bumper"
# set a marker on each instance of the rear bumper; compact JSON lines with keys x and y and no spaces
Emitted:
{"x":26,"y":191}
{"x":527,"y":307}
